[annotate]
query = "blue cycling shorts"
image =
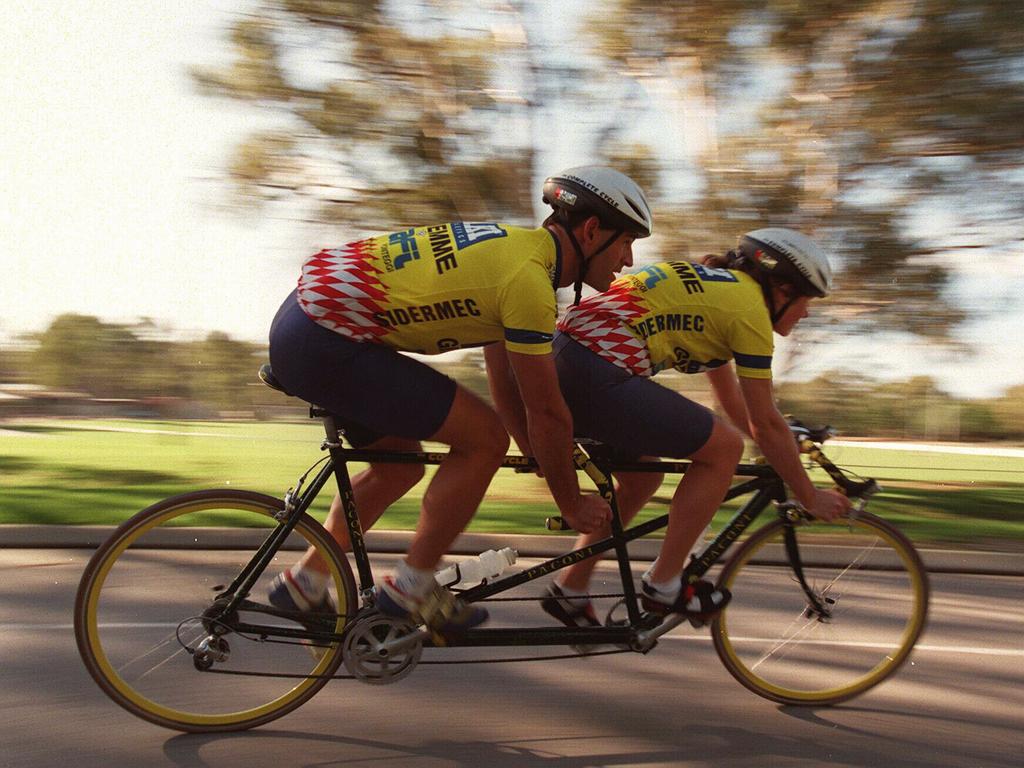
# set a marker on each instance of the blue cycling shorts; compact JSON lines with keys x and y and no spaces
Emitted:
{"x":373,"y":390}
{"x":631,"y":414}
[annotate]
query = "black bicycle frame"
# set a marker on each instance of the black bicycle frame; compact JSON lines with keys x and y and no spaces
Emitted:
{"x":765,"y":484}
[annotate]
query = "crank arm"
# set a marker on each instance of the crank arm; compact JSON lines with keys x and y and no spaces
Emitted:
{"x":403,"y":643}
{"x":648,"y":638}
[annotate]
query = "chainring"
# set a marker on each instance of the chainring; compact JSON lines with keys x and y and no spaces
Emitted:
{"x":380,"y":650}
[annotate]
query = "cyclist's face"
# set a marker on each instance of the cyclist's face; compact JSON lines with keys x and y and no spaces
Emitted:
{"x":796,"y":312}
{"x":604,"y":266}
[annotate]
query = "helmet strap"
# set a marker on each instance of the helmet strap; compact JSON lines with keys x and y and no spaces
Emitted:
{"x":584,"y":263}
{"x":776,"y":314}
{"x":580,"y":261}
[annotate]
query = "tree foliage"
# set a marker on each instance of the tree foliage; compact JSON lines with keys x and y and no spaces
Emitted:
{"x":875,"y":113}
{"x":217,"y":374}
{"x":392,"y":136}
{"x":82,"y":354}
{"x":889,"y":129}
{"x":913,"y":409}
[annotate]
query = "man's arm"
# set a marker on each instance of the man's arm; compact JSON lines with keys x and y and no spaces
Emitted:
{"x":506,"y":397}
{"x":549,"y":433}
{"x":773,"y":436}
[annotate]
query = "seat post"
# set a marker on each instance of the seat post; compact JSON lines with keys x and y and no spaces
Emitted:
{"x":333,"y":437}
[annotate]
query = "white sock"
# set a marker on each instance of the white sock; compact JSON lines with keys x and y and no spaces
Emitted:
{"x":412,"y":581}
{"x":311,"y":584}
{"x":664,"y":591}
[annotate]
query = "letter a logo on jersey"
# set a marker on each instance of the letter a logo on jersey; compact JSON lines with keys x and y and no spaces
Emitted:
{"x":467,"y":233}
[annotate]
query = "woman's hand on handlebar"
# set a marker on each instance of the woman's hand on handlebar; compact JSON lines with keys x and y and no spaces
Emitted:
{"x":828,"y":505}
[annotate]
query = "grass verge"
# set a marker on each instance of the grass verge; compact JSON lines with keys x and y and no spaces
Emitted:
{"x":101,"y":472}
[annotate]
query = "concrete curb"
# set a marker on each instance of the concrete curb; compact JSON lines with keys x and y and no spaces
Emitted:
{"x":89,"y":537}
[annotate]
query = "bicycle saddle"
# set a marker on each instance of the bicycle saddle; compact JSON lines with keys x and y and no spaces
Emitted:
{"x":267,"y":376}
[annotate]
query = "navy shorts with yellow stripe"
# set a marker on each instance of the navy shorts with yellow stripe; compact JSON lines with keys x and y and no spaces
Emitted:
{"x":373,"y":390}
{"x":632,"y":414}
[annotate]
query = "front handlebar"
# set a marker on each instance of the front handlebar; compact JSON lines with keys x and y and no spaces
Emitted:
{"x":808,"y":440}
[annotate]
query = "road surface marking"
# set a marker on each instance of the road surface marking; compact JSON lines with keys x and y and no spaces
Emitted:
{"x":926,"y":647}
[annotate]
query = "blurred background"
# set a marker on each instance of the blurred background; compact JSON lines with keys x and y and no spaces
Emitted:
{"x":167,"y":169}
{"x":168,"y":166}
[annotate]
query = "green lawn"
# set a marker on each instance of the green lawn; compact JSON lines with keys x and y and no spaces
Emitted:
{"x":100,"y":472}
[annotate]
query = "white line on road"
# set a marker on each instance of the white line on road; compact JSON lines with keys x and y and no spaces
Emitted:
{"x":1013,"y":652}
{"x":862,"y":644}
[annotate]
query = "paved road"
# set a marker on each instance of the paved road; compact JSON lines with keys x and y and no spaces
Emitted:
{"x":961,"y":702}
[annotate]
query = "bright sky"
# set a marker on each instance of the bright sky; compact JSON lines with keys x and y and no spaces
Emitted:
{"x":107,"y":159}
{"x":108,"y":162}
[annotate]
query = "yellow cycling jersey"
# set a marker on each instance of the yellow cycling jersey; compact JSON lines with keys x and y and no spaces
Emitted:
{"x":437,"y":288}
{"x":677,"y":315}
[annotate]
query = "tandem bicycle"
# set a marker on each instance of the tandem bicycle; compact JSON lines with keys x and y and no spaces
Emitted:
{"x":172,"y":621}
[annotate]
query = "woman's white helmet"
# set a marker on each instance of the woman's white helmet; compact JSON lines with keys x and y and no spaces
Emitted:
{"x":610,"y":195}
{"x":791,"y":257}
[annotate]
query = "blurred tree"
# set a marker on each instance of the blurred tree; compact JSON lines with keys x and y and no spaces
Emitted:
{"x":862,"y":122}
{"x":915,"y":408}
{"x":81,"y":353}
{"x":979,"y":422}
{"x":1009,"y":412}
{"x":84,"y":354}
{"x":219,"y":370}
{"x":852,"y":120}
{"x":150,"y":357}
{"x":15,"y":364}
{"x":385,"y":124}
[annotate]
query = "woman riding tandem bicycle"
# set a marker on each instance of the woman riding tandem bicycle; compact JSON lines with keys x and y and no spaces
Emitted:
{"x":691,"y":317}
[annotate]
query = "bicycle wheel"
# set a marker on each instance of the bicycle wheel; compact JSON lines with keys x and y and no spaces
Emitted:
{"x":140,"y":602}
{"x":870,"y":579}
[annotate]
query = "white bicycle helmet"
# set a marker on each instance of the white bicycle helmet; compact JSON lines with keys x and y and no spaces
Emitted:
{"x":612,"y":196}
{"x":790,"y":257}
{"x":597,"y":190}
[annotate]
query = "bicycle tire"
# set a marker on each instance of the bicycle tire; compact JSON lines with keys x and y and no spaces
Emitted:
{"x":145,"y":587}
{"x":771,"y":642}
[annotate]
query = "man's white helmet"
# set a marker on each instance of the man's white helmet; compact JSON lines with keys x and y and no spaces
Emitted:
{"x":791,"y":257}
{"x":610,"y":195}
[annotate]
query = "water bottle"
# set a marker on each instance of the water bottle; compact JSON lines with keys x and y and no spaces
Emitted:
{"x":486,"y":566}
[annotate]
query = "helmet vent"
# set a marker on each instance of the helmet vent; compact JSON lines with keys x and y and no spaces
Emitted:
{"x":640,"y":212}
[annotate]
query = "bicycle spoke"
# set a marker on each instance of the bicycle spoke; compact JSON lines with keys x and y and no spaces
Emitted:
{"x":161,"y":663}
{"x":172,"y":639}
{"x":772,"y":640}
{"x":161,"y":676}
{"x":786,"y":640}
